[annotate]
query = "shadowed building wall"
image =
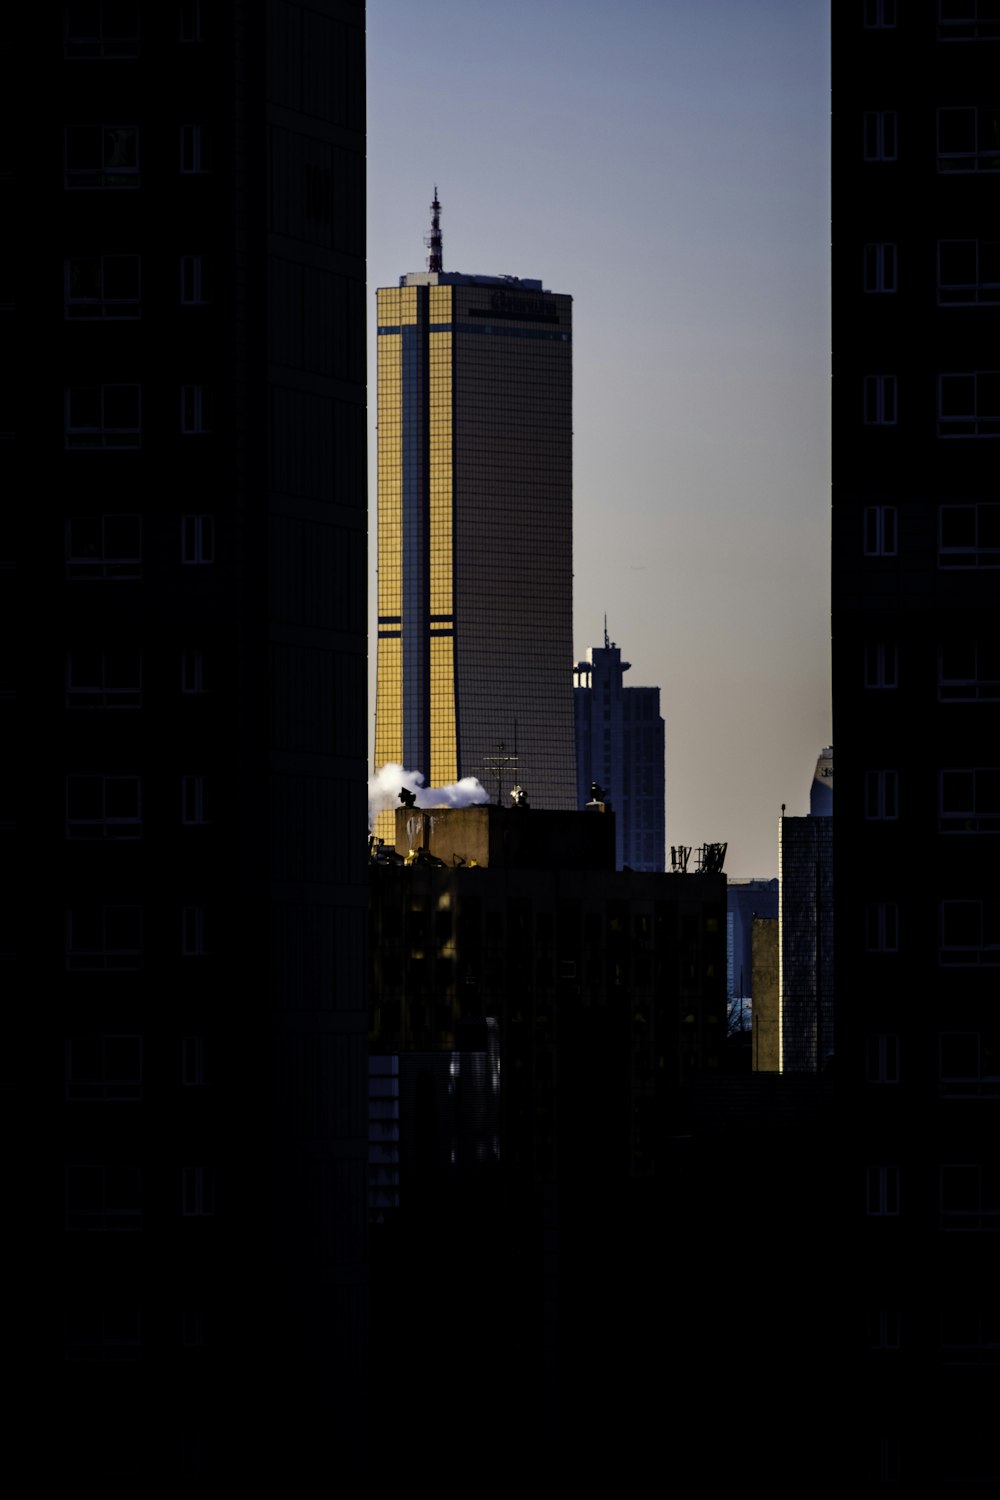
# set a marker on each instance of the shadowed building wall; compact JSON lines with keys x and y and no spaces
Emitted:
{"x":805,"y":943}
{"x":916,"y":716}
{"x":200,"y":436}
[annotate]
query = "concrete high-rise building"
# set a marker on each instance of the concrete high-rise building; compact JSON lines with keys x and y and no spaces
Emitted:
{"x":619,"y":745}
{"x":805,"y":944}
{"x":198,"y":431}
{"x":475,"y":532}
{"x":916,"y":719}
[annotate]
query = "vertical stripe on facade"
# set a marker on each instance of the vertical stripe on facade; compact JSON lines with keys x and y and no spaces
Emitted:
{"x":444,"y":748}
{"x":416,"y":653}
{"x":389,"y":718}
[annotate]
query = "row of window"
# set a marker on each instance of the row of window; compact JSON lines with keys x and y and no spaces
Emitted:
{"x":113,"y":679}
{"x":108,"y":1069}
{"x":110,"y":937}
{"x":968,"y":138}
{"x":968,"y":932}
{"x":968,"y":798}
{"x":968,"y":403}
{"x":107,"y":156}
{"x":968,"y":672}
{"x":109,"y":807}
{"x":109,"y":287}
{"x":969,"y":1194}
{"x":958,"y":20}
{"x":968,"y":1063}
{"x":969,"y":1334}
{"x":968,"y":271}
{"x":110,"y":547}
{"x":114,"y":1450}
{"x":110,"y":1198}
{"x":109,"y":29}
{"x":110,"y":416}
{"x":113,"y":1333}
{"x":966,"y":1457}
{"x":968,"y":534}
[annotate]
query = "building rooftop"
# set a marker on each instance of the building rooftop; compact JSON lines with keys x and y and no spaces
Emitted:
{"x":526,"y":839}
{"x":459,"y":278}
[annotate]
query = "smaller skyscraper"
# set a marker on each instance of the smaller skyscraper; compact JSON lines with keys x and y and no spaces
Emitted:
{"x":821,"y":791}
{"x":620,"y":747}
{"x":805,"y":943}
{"x":805,"y":929}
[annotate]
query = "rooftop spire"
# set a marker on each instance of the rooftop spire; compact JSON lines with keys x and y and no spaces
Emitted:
{"x":433,"y":240}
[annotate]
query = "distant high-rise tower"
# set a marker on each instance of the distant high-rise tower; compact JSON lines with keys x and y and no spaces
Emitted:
{"x":475,"y":527}
{"x":619,"y":745}
{"x":821,"y":791}
{"x":805,"y":944}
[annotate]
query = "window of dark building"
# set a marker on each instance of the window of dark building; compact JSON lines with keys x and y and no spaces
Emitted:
{"x":103,"y":416}
{"x":101,"y":157}
{"x":102,"y":287}
{"x":101,"y":29}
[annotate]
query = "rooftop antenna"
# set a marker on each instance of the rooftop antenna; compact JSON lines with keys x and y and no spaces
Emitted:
{"x":500,"y":763}
{"x":606,"y":641}
{"x":433,"y":240}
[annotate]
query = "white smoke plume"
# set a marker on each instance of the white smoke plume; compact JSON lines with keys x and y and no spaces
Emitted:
{"x":384,"y":788}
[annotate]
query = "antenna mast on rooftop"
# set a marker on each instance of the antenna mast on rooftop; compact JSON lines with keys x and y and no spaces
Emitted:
{"x":433,"y":240}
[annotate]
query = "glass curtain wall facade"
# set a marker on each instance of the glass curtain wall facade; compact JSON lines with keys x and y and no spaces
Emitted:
{"x":475,"y":533}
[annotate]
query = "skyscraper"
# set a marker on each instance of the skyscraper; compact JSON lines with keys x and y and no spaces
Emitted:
{"x":916,"y":715}
{"x":805,"y":944}
{"x":475,"y":531}
{"x":619,"y":744}
{"x":198,"y":431}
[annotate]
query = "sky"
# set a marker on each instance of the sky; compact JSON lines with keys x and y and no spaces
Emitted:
{"x":666,"y":163}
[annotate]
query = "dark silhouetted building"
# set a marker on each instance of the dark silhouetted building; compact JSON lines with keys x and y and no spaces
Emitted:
{"x":916,"y":716}
{"x":805,"y":944}
{"x":199,"y":293}
{"x":509,"y":955}
{"x":821,"y":790}
{"x":619,"y":746}
{"x":475,"y":533}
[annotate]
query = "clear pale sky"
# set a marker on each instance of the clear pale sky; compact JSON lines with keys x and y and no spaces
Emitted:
{"x":666,"y":162}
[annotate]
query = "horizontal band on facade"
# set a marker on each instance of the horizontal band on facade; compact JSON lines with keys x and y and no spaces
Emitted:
{"x":390,"y":619}
{"x":560,"y":335}
{"x":495,"y":314}
{"x":388,"y":635}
